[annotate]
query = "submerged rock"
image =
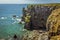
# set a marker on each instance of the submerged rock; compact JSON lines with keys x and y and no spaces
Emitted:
{"x":14,"y":15}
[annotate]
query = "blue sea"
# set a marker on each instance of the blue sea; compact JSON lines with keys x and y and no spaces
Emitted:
{"x":8,"y":25}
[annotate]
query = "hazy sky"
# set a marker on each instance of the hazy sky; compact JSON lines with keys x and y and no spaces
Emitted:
{"x":28,"y":1}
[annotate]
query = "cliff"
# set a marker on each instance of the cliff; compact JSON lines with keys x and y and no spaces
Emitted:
{"x":39,"y":15}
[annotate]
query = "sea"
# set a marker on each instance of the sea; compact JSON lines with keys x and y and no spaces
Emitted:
{"x":8,"y":25}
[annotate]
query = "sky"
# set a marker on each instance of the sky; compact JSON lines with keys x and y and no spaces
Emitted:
{"x":11,"y":9}
{"x":28,"y":1}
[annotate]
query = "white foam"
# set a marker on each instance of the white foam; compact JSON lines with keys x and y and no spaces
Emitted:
{"x":23,"y":22}
{"x":12,"y":18}
{"x":3,"y":17}
{"x":14,"y":22}
{"x":18,"y":20}
{"x":24,"y":30}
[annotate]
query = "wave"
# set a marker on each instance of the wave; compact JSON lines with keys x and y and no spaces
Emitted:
{"x":14,"y":22}
{"x":18,"y":21}
{"x":3,"y":18}
{"x":13,"y":19}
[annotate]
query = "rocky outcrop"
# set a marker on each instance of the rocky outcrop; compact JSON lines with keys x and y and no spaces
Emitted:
{"x":35,"y":35}
{"x":39,"y":15}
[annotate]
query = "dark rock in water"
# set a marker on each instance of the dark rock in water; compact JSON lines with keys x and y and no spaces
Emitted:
{"x":15,"y":36}
{"x":14,"y":16}
{"x":39,"y":15}
{"x":20,"y":22}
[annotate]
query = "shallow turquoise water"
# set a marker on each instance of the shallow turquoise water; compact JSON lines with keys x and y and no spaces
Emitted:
{"x":9,"y":29}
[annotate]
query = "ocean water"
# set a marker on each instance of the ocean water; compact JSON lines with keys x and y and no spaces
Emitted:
{"x":9,"y":27}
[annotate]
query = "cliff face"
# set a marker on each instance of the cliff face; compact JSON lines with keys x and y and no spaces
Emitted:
{"x":53,"y":23}
{"x":39,"y":15}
